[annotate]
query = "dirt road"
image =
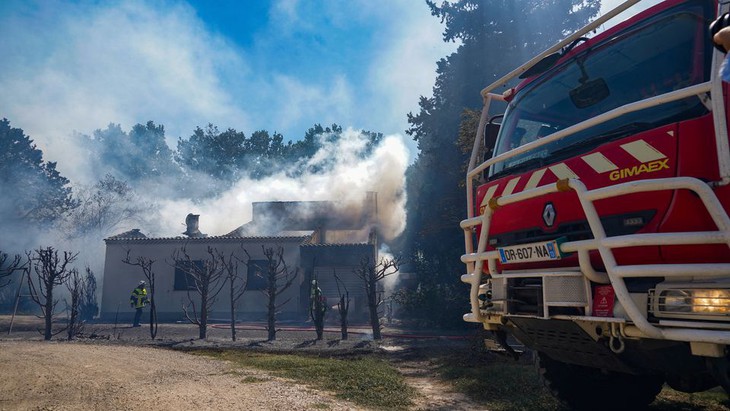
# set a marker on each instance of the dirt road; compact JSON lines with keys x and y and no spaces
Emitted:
{"x":73,"y":376}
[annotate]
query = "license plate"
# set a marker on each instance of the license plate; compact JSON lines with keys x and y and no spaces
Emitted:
{"x":527,"y":253}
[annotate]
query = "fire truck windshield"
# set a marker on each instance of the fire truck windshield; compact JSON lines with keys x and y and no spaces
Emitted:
{"x":666,"y":52}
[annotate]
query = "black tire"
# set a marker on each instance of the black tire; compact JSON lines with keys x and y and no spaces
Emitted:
{"x":584,"y":388}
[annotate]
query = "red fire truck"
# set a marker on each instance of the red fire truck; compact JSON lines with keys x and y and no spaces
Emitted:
{"x":598,"y":231}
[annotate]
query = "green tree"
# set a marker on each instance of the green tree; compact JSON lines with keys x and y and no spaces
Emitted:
{"x":149,"y":156}
{"x":140,"y":156}
{"x":496,"y":36}
{"x":212,"y":153}
{"x":33,"y":191}
{"x":265,"y":154}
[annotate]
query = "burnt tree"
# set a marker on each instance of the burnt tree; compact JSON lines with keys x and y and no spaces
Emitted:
{"x":89,"y":304}
{"x":278,"y":278}
{"x":343,"y":306}
{"x":76,"y":285}
{"x":51,"y":270}
{"x":206,"y":278}
{"x":236,"y":285}
{"x":371,"y":275}
{"x":145,"y":264}
{"x":8,"y":267}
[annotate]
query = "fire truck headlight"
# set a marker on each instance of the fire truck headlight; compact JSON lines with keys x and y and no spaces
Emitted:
{"x":711,"y":301}
{"x":675,"y":301}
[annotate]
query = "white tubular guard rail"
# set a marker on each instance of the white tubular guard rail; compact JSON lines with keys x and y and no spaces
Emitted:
{"x":614,"y":274}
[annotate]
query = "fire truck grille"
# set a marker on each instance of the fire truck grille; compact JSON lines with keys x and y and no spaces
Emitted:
{"x":524,"y":296}
{"x":621,"y":224}
{"x":561,"y":294}
{"x":565,"y":290}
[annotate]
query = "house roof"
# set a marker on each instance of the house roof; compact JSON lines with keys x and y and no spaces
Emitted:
{"x":124,"y":237}
{"x":128,"y":235}
{"x":337,"y":245}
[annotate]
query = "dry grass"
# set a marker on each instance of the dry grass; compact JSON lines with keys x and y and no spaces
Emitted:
{"x":367,"y":381}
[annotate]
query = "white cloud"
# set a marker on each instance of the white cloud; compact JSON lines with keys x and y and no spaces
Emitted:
{"x":406,"y":66}
{"x":404,"y":46}
{"x":126,"y":63}
{"x":298,"y":102}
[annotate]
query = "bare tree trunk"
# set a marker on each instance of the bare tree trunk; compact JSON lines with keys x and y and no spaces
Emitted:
{"x":153,"y":317}
{"x":48,"y":330}
{"x":371,"y":273}
{"x":207,"y":276}
{"x":278,"y":278}
{"x":236,"y":287}
{"x":50,"y":271}
{"x":203,"y":323}
{"x":344,"y":306}
{"x":233,"y":316}
{"x":76,"y":287}
{"x":271,"y":307}
{"x":373,"y":308}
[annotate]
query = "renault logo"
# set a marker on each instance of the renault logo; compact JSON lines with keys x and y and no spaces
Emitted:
{"x":548,"y":214}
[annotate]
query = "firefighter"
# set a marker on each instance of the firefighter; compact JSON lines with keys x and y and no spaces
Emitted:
{"x":138,"y":300}
{"x":720,"y":33}
{"x":317,"y":309}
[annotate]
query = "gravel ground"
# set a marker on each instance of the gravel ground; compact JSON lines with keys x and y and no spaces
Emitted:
{"x":70,"y":376}
{"x":121,"y":368}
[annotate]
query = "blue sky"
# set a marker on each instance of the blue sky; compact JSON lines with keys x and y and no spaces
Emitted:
{"x":279,"y":65}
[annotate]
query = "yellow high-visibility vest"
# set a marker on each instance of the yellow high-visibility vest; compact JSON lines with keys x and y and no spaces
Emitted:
{"x":139,"y":297}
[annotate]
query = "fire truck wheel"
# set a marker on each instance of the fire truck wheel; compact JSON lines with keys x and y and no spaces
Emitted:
{"x":584,"y":388}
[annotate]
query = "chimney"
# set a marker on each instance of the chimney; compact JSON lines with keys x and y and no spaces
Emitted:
{"x":371,"y":206}
{"x":191,"y":221}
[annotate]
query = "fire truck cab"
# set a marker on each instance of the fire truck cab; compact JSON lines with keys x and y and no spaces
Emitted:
{"x":598,"y":231}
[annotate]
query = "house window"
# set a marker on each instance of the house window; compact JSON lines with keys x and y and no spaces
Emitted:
{"x":256,"y":278}
{"x":183,"y":279}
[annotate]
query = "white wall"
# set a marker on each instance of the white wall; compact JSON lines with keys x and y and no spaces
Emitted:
{"x":120,"y":279}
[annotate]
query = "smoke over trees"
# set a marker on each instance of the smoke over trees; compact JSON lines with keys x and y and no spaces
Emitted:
{"x":202,"y":167}
{"x":102,"y":208}
{"x":496,"y":37}
{"x":138,"y":156}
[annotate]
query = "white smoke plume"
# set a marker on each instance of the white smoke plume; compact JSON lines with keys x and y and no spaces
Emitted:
{"x":346,"y":181}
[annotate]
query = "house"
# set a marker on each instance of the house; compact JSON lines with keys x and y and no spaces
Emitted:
{"x":319,"y":239}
